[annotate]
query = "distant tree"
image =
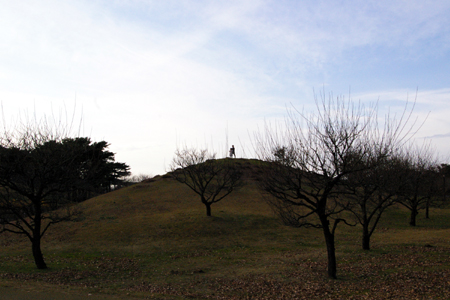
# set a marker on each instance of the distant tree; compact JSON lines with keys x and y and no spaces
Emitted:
{"x":309,"y":159}
{"x":42,"y":173}
{"x":283,"y":155}
{"x":372,"y":190}
{"x":444,"y":172}
{"x":421,"y":182}
{"x":132,"y":179}
{"x":208,"y":177}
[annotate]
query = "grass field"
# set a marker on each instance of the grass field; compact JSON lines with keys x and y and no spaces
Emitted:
{"x":154,"y":241}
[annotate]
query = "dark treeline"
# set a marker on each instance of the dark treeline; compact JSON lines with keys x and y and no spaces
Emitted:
{"x":43,"y":173}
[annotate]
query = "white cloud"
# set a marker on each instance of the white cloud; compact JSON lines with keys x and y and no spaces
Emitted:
{"x":150,"y":74}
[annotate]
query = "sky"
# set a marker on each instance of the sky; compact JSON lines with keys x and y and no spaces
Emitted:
{"x":151,"y":76}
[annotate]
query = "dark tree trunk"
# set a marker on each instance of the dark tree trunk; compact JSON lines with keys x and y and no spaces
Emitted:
{"x":208,"y":209}
{"x":36,"y":240}
{"x":332,"y":267}
{"x":37,"y":254}
{"x":427,"y":210}
{"x":365,"y":237}
{"x":414,"y":213}
{"x":331,"y":251}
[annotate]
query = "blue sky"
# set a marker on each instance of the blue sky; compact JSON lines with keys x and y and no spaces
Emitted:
{"x":148,"y":76}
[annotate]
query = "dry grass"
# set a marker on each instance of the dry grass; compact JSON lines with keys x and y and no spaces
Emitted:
{"x":153,"y":240}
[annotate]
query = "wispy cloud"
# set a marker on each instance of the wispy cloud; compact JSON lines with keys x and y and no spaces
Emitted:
{"x":161,"y":70}
{"x":438,"y":136}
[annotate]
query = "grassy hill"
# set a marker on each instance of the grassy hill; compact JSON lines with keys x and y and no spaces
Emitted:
{"x":153,"y":241}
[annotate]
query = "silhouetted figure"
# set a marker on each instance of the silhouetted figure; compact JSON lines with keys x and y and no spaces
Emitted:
{"x":232,"y":153}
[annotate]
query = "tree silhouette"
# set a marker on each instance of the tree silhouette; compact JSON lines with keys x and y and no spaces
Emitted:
{"x":421,"y":181}
{"x":372,"y":190}
{"x":309,"y":160}
{"x":211,"y":179}
{"x":42,"y":174}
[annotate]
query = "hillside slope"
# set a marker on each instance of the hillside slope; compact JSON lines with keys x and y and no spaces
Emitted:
{"x":156,"y":208}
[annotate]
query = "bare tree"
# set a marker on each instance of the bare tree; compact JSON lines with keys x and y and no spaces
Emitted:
{"x":372,"y":190}
{"x":444,"y":172}
{"x":133,"y":179}
{"x":420,"y":170}
{"x":210,"y":178}
{"x":309,"y":158}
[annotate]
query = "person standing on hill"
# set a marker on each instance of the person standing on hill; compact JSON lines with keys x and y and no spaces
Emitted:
{"x":232,"y":153}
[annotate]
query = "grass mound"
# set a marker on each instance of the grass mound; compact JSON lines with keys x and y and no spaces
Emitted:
{"x":154,"y":241}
